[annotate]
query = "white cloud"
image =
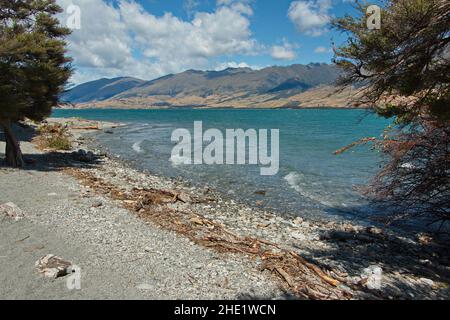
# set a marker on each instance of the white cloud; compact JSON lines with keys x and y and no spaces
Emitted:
{"x":321,"y":49}
{"x":127,"y":40}
{"x":101,"y":31}
{"x":234,"y":64}
{"x":310,"y":16}
{"x":283,"y":52}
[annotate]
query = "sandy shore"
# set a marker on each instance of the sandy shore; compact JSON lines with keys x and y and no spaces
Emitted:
{"x":140,"y":236}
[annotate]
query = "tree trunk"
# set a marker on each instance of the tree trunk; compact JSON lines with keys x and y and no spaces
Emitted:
{"x":12,"y":152}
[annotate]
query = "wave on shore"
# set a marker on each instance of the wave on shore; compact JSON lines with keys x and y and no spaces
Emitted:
{"x":137,"y":147}
{"x":299,"y":183}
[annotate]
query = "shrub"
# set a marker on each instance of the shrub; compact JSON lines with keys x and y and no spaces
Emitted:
{"x":54,"y":137}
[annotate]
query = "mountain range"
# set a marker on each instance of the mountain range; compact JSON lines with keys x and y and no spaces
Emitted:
{"x":273,"y":87}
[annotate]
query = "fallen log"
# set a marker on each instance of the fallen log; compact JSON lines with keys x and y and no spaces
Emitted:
{"x":85,"y":127}
{"x":316,"y":269}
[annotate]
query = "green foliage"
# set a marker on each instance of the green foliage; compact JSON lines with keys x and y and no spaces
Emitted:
{"x":408,"y":57}
{"x":33,"y":65}
{"x":59,"y":143}
{"x":404,"y":69}
{"x":55,"y":137}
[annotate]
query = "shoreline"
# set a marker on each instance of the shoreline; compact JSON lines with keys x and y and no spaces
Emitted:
{"x":215,"y":108}
{"x":307,"y":259}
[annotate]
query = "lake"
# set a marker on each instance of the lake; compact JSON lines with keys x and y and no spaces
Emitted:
{"x":312,"y":182}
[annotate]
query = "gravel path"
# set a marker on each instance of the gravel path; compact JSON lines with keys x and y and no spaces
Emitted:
{"x":120,"y":256}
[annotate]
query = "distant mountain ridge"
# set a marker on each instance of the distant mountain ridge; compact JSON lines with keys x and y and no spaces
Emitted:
{"x":194,"y":87}
{"x":100,"y":90}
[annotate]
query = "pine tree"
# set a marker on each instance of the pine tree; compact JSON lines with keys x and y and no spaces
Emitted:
{"x":33,"y":65}
{"x":404,"y":72}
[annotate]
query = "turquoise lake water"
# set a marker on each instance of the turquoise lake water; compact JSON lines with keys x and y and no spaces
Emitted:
{"x":311,"y":182}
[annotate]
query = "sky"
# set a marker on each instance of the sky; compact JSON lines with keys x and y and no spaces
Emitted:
{"x":148,"y":39}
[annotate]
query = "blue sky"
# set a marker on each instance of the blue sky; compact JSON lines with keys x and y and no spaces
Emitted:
{"x":270,"y":25}
{"x":152,"y":38}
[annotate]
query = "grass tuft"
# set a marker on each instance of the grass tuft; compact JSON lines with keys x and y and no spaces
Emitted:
{"x":54,"y":137}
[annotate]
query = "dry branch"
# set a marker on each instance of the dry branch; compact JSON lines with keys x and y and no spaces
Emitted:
{"x":297,"y":275}
{"x":354,"y":144}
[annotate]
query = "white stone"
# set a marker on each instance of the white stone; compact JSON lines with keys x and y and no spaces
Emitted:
{"x":373,"y":276}
{"x":52,"y":266}
{"x":298,"y":236}
{"x":427,"y":281}
{"x":12,"y":211}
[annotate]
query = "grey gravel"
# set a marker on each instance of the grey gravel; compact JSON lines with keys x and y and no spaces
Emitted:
{"x":120,"y":256}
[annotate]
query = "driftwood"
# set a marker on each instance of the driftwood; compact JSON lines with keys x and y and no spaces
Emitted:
{"x":297,"y":274}
{"x":85,"y":127}
{"x":317,"y":270}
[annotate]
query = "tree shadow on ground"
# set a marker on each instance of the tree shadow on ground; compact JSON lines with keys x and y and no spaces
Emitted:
{"x":47,"y":161}
{"x":381,"y":214}
{"x":23,"y":132}
{"x":397,"y":251}
{"x":53,"y":161}
{"x":411,"y":268}
{"x":254,"y":297}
